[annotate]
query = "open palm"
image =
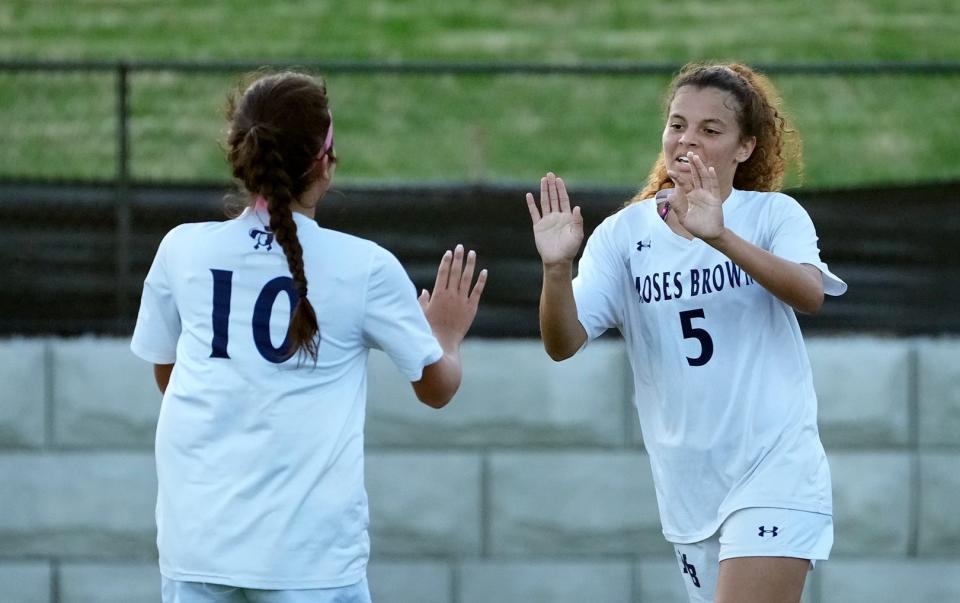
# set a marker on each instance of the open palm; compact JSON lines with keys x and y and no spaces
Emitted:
{"x":697,"y":204}
{"x":452,"y":305}
{"x":557,"y":230}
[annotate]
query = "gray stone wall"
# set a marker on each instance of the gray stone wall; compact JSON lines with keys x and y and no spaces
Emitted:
{"x":532,"y":486}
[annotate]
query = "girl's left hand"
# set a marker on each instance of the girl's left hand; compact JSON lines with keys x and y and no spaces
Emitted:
{"x":452,"y":305}
{"x":696,"y":200}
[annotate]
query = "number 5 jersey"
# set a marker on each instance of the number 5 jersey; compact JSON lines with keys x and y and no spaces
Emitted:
{"x":722,"y":380}
{"x":259,"y":454}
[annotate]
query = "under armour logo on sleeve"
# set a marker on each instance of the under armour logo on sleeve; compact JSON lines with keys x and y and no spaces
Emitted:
{"x":773,"y":531}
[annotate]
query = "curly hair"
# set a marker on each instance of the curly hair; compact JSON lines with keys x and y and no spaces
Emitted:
{"x":759,"y":114}
{"x":277,"y":127}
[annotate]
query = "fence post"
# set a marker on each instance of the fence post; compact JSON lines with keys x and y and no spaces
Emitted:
{"x":122,"y":201}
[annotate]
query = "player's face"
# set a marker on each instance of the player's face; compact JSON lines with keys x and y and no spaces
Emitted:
{"x":704,"y":120}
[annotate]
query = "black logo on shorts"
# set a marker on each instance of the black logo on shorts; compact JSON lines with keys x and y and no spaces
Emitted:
{"x":689,"y":570}
{"x":262,"y":238}
{"x":642,"y":244}
{"x":773,"y":531}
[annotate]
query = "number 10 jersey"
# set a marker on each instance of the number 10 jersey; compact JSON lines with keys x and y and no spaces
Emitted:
{"x":259,"y":454}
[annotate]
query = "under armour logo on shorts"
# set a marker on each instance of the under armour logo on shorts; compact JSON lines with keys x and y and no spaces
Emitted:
{"x":689,"y":570}
{"x":262,"y":238}
{"x":773,"y":531}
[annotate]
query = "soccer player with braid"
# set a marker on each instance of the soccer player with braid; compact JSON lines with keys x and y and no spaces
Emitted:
{"x":259,"y":328}
{"x":703,"y":274}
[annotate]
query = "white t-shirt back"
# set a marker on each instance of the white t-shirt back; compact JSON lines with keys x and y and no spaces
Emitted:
{"x":722,"y":379}
{"x":260,"y":459}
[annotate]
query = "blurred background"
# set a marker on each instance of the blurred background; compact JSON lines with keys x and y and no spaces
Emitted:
{"x":446,"y":113}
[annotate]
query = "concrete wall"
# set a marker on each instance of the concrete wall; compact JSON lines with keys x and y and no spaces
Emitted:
{"x":532,"y":486}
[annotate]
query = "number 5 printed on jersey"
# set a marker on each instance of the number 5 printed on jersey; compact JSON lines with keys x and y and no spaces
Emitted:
{"x":701,"y":335}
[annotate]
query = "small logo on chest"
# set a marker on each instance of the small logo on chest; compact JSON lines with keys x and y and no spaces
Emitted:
{"x":641,"y":245}
{"x":262,"y":238}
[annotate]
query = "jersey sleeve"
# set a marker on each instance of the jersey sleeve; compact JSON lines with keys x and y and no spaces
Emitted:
{"x":598,"y":287}
{"x":794,"y":238}
{"x":158,"y":321}
{"x":393,"y":319}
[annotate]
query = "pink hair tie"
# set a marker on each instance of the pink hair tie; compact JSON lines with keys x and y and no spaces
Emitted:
{"x":260,"y":202}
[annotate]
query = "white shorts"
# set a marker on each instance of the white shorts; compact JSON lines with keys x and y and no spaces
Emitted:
{"x":753,"y":532}
{"x":177,"y":591}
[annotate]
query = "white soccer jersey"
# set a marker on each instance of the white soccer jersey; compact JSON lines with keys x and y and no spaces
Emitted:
{"x":260,"y":460}
{"x":722,"y":379}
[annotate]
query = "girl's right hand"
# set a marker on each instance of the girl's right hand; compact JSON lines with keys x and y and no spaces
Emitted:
{"x":557,"y":230}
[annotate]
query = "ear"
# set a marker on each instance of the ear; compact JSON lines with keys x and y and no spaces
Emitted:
{"x":746,"y":149}
{"x":326,"y":166}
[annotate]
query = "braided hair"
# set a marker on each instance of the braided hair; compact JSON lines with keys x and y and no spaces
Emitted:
{"x":759,"y":114}
{"x":277,"y":127}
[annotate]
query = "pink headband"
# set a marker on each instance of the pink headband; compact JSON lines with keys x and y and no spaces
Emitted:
{"x":327,"y":145}
{"x":328,"y":142}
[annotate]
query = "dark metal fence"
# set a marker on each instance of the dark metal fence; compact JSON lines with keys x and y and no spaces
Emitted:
{"x":896,"y":247}
{"x":74,"y":254}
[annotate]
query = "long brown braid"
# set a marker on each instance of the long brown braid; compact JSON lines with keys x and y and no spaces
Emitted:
{"x":278,"y":125}
{"x":759,"y":114}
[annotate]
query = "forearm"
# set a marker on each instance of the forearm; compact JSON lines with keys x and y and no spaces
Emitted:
{"x":560,"y":328}
{"x":798,"y":285}
{"x":440,"y":380}
{"x":161,"y":374}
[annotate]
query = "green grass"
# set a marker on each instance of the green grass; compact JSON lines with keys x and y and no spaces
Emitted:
{"x":605,"y":130}
{"x":491,"y":29}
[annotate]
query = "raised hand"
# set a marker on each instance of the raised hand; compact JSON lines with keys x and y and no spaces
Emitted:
{"x":557,"y":230}
{"x":452,"y":306}
{"x":696,"y":199}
